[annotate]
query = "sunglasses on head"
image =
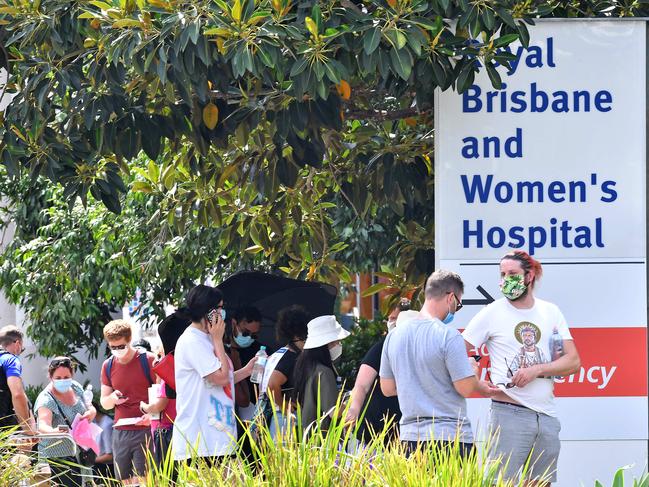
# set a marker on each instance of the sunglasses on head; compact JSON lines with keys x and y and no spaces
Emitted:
{"x":61,"y":362}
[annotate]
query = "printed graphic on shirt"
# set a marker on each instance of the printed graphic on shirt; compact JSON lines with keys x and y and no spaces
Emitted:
{"x":528,"y":335}
{"x":220,"y":416}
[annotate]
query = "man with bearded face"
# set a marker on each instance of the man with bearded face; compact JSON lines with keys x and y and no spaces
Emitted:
{"x":523,"y":414}
{"x":529,"y":353}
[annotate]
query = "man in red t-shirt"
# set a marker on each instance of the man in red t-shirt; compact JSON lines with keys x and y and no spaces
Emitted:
{"x":125,"y":380}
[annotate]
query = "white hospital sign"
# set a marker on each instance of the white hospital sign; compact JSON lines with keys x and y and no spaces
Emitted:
{"x":554,"y":163}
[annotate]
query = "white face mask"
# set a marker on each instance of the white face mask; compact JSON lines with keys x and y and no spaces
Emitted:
{"x":119,"y":353}
{"x":391,"y":325}
{"x":336,"y":351}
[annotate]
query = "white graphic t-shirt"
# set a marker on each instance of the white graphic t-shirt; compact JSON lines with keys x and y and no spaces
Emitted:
{"x":205,"y":423}
{"x":519,"y":338}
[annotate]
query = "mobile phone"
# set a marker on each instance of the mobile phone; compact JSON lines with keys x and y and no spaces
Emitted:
{"x":211,"y":315}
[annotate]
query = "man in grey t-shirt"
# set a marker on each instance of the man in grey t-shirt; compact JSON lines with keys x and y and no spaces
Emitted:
{"x":425,"y":364}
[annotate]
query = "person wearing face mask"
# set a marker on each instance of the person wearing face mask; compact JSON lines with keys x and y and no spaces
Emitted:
{"x":424,"y":363}
{"x":314,"y":376}
{"x":517,"y":330}
{"x":205,"y":424}
{"x":367,"y":396}
{"x":243,"y":346}
{"x":56,"y":407}
{"x":14,"y":405}
{"x":125,"y":380}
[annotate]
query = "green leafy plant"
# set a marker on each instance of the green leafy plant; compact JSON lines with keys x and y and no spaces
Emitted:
{"x":32,"y":392}
{"x":365,"y":334}
{"x":618,"y":479}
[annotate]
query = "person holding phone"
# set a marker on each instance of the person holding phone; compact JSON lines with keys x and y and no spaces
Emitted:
{"x":56,"y":407}
{"x":125,"y":380}
{"x":205,"y":420}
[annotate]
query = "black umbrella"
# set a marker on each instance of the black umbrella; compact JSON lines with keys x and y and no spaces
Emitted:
{"x":270,"y":293}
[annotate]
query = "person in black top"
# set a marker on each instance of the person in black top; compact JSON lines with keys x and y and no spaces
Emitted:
{"x":291,"y":329}
{"x":14,"y":405}
{"x":367,"y":396}
{"x":246,"y":323}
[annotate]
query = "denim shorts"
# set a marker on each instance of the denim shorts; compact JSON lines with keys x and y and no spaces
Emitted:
{"x":524,"y":440}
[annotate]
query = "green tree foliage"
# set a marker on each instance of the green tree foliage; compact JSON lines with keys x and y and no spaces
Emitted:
{"x":296,"y":136}
{"x":70,"y":268}
{"x":254,"y":113}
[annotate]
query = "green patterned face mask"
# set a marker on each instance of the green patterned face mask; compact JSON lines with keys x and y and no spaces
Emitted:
{"x":513,"y":287}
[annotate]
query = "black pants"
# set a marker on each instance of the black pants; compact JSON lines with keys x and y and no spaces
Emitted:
{"x":465,"y":449}
{"x":65,"y":472}
{"x":161,"y":443}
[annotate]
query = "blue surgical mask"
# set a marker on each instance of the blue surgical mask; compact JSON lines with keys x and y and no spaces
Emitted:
{"x":449,"y":318}
{"x":222,"y":314}
{"x":62,"y":385}
{"x":243,"y":341}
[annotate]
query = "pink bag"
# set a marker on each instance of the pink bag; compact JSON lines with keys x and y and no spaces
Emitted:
{"x":86,"y":434}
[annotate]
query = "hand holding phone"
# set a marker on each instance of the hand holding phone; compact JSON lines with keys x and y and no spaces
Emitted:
{"x":119,"y":398}
{"x":212,"y":316}
{"x":215,"y":324}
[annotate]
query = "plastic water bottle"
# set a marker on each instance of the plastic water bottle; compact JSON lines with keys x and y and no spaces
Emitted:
{"x":556,"y":348}
{"x":88,"y":395}
{"x":260,"y":365}
{"x":556,"y":345}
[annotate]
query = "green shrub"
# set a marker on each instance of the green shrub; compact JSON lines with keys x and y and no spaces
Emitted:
{"x":32,"y":392}
{"x":364,"y":335}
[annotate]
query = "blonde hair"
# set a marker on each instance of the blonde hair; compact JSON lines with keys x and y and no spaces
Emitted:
{"x":117,"y":329}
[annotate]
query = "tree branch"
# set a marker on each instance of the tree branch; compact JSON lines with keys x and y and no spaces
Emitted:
{"x":383,"y":115}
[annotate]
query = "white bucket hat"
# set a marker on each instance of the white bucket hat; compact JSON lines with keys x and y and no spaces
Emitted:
{"x":324,"y":330}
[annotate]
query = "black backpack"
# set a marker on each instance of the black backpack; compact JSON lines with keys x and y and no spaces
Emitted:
{"x":7,"y":414}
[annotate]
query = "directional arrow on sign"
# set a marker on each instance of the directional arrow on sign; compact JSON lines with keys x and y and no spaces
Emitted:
{"x":487,"y":298}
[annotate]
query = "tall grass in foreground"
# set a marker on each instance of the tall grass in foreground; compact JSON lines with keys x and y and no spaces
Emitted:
{"x":330,"y":457}
{"x":15,"y":466}
{"x":322,"y":457}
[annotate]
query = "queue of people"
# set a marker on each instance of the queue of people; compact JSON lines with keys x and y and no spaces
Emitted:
{"x":413,"y":383}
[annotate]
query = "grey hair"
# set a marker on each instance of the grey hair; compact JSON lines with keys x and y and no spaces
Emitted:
{"x":442,"y":282}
